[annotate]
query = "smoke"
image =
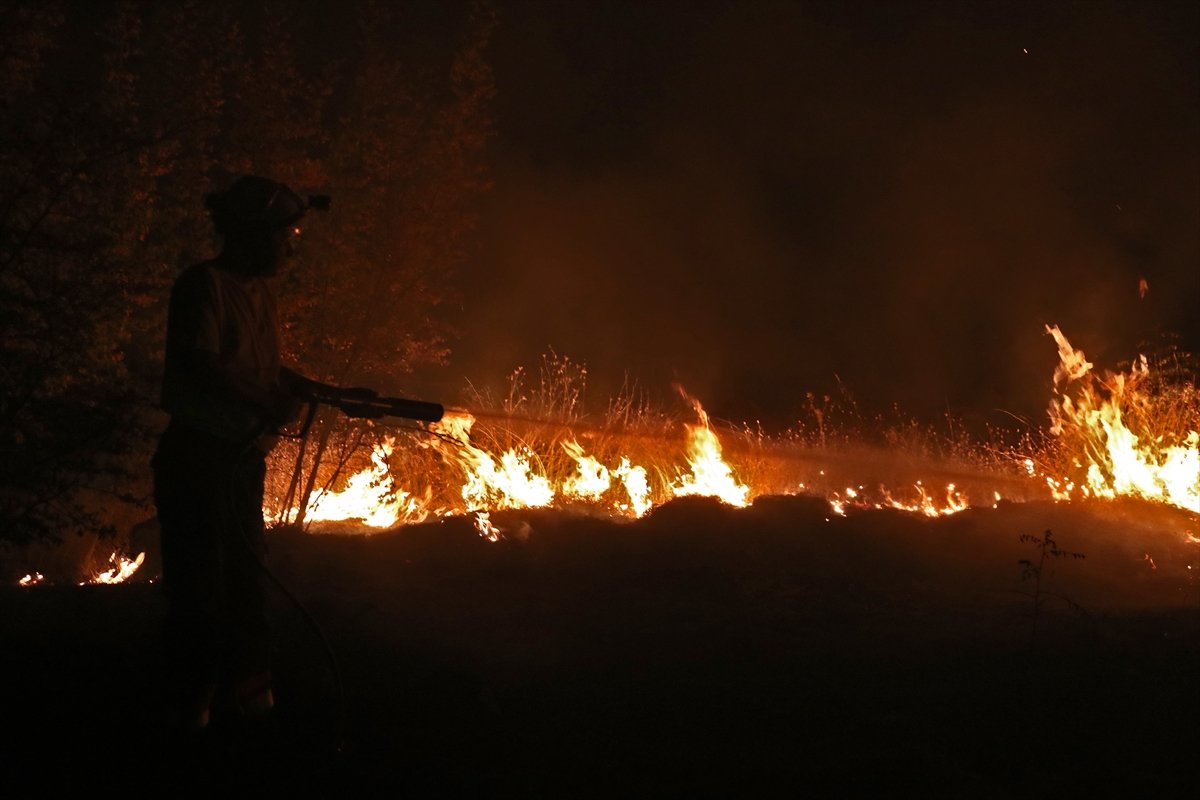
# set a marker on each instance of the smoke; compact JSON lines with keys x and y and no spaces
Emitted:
{"x":765,"y":199}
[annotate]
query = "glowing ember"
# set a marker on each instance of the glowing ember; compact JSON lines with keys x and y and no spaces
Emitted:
{"x":32,"y":579}
{"x":121,"y":570}
{"x":1108,"y":428}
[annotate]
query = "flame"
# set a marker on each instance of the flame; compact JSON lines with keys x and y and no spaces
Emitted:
{"x":121,"y":570}
{"x":510,"y":482}
{"x":952,"y":502}
{"x":1115,"y":459}
{"x":592,"y":481}
{"x":1071,"y":363}
{"x":483,"y":524}
{"x":370,"y":496}
{"x":637,"y":486}
{"x":710,"y":475}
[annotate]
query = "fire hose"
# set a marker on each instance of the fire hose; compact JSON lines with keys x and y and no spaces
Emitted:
{"x":366,"y":404}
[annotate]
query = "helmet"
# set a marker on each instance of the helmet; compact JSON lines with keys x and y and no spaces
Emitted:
{"x":255,"y":205}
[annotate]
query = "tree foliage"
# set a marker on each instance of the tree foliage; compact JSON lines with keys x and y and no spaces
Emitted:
{"x":116,"y":119}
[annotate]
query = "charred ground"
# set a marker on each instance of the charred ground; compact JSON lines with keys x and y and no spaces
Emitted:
{"x":701,"y":651}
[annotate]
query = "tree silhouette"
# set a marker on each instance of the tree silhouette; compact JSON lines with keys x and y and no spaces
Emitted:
{"x":116,"y":119}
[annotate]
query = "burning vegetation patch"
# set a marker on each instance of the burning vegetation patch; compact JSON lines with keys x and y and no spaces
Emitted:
{"x":1131,"y":434}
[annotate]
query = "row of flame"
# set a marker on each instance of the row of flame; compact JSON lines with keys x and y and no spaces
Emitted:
{"x":1115,"y":460}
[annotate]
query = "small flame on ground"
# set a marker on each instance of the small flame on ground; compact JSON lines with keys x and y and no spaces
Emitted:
{"x":121,"y":570}
{"x":591,"y":479}
{"x":487,"y":530}
{"x":924,"y":503}
{"x":710,"y":475}
{"x":32,"y":579}
{"x":953,"y":502}
{"x":637,"y":486}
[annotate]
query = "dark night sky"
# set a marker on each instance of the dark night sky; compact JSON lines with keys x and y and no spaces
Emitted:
{"x":753,"y":198}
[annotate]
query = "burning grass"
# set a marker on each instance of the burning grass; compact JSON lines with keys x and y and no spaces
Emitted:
{"x":538,"y":446}
{"x":1128,"y":433}
{"x":1132,"y":432}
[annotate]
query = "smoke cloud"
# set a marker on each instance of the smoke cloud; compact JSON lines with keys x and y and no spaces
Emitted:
{"x":765,"y":199}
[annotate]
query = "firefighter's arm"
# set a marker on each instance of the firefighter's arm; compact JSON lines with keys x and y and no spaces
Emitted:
{"x":305,"y":388}
{"x":277,"y":404}
{"x":358,"y":402}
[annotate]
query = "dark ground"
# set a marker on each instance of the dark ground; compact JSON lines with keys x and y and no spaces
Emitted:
{"x":701,"y":652}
